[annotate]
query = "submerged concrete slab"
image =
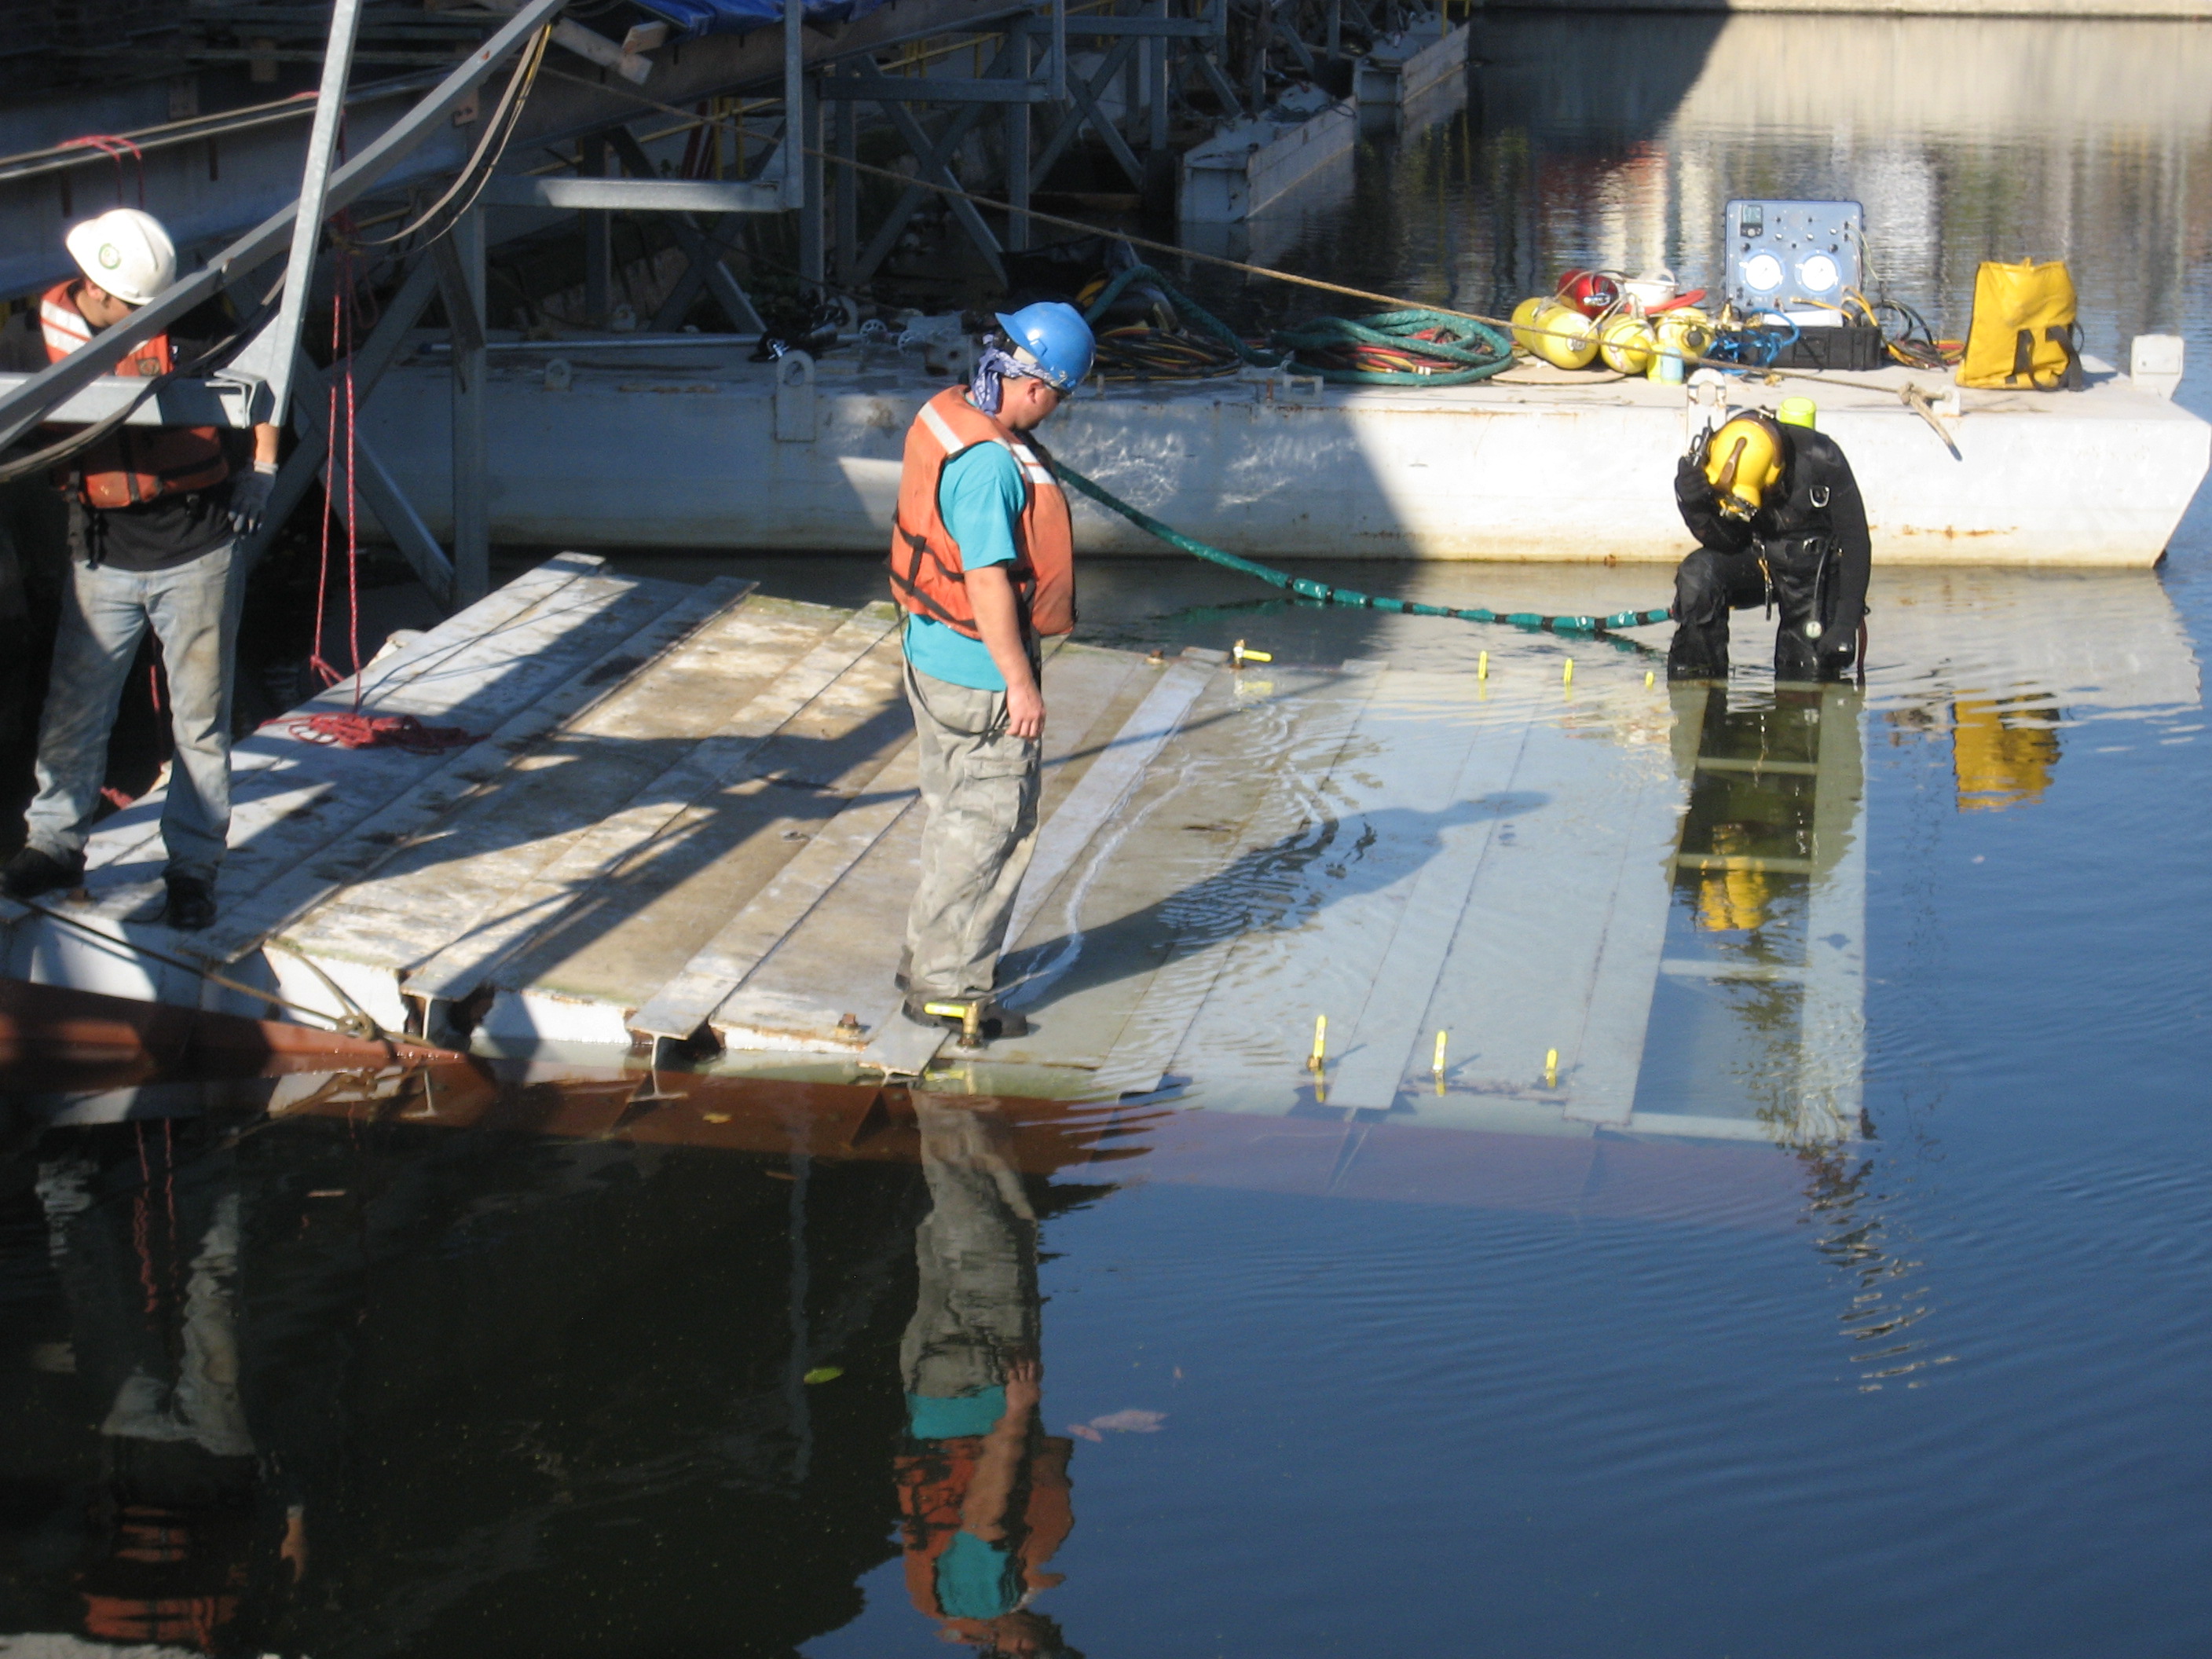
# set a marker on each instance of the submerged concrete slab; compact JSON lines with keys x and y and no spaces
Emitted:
{"x":700,"y":826}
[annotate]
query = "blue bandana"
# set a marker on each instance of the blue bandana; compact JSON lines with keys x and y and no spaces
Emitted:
{"x":993,"y":366}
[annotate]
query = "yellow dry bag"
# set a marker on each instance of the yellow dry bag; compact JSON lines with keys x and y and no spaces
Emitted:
{"x":2023,"y":336}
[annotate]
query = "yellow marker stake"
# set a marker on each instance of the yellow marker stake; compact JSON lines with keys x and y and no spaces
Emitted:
{"x":1482,"y":665}
{"x":1647,"y":677}
{"x":1439,"y":1067}
{"x":1550,"y":1068}
{"x":1568,"y":676}
{"x":1320,"y":1042}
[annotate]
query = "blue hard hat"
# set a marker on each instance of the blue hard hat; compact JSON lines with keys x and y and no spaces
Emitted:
{"x":1057,"y":338}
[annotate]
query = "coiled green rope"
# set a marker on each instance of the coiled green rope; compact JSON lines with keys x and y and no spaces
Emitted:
{"x":1328,"y":594}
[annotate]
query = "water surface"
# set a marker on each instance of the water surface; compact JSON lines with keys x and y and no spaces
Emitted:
{"x":515,"y":1368}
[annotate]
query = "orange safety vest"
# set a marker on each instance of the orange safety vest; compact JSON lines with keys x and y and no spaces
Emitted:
{"x":926,"y":577}
{"x":134,"y":464}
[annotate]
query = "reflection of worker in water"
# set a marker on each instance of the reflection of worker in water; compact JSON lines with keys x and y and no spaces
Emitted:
{"x":1779,"y":523}
{"x":983,"y":1491}
{"x":147,"y":1249}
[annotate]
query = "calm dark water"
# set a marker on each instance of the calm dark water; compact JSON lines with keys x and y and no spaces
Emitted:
{"x":490,"y":1382}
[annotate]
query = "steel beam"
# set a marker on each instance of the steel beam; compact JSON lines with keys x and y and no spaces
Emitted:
{"x":471,"y":470}
{"x":179,"y":402}
{"x":29,"y":405}
{"x":701,"y":251}
{"x":934,"y":89}
{"x":633,"y":195}
{"x":215,"y":177}
{"x":274,"y":349}
{"x":375,"y":355}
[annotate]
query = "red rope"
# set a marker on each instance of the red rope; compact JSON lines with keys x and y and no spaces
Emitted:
{"x":355,"y":730}
{"x":358,"y":731}
{"x":115,"y":149}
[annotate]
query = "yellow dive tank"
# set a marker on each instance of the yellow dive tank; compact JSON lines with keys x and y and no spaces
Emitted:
{"x":1564,"y":335}
{"x":1743,"y":461}
{"x":1625,"y":340}
{"x":1524,"y":315}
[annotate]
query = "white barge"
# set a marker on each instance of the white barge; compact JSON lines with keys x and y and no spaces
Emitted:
{"x":687,"y":444}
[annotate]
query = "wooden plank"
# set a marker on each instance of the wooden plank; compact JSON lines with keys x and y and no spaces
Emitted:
{"x":123,"y":840}
{"x":681,"y":1008}
{"x":1177,"y":866}
{"x":1350,"y":868}
{"x":841,"y":956}
{"x":441,"y":883}
{"x":1391,"y":1023}
{"x":671,"y":894}
{"x":1635,"y":940}
{"x":1105,"y":786}
{"x":519,"y":913}
{"x":373,"y":840}
{"x":1830,"y":1078}
{"x":1157,"y":1028}
{"x":1560,"y":941}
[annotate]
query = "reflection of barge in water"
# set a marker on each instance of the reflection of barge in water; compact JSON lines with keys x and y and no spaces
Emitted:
{"x":677,"y":445}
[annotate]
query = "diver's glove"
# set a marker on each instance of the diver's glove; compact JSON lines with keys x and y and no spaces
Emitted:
{"x":1693,"y":491}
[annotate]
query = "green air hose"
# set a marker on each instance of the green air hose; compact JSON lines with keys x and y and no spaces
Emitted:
{"x":1395,"y":336}
{"x":1472,"y":351}
{"x":1188,"y":306}
{"x":1327,"y":593}
{"x":1391,"y":331}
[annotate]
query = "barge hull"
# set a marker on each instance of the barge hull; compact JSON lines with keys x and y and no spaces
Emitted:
{"x":696,"y":448}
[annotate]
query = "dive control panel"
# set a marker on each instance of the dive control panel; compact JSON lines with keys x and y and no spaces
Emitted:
{"x":1798,"y":258}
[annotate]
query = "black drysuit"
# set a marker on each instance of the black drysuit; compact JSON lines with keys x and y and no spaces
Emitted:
{"x":1806,"y":550}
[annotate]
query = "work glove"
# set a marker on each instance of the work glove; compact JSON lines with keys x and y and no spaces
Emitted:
{"x":249,"y":497}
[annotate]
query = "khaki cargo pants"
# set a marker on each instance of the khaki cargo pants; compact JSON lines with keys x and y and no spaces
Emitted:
{"x":978,"y":786}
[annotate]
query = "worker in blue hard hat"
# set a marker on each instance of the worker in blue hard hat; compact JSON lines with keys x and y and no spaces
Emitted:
{"x":982,"y":563}
{"x":1779,"y":522}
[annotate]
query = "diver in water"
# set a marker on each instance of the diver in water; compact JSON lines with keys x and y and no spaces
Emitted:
{"x":1779,"y":523}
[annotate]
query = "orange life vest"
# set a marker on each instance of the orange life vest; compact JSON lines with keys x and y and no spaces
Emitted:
{"x":926,"y":576}
{"x":135,"y":464}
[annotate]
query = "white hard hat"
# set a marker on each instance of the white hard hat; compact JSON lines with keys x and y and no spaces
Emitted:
{"x":125,"y":252}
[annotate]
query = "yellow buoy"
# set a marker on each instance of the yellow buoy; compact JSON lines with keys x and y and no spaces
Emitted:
{"x":1685,"y":333}
{"x":1626,"y":342}
{"x":1563,"y":336}
{"x":1524,"y":315}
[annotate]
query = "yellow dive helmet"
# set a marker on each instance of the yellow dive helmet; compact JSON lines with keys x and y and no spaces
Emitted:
{"x":1743,"y":461}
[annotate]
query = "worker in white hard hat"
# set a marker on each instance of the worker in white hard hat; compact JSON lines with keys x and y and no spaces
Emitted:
{"x":156,"y":514}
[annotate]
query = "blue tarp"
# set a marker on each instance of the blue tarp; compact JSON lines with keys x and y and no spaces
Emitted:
{"x":693,"y":18}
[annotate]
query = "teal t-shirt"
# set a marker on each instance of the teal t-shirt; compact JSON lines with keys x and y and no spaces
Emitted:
{"x":980,"y":496}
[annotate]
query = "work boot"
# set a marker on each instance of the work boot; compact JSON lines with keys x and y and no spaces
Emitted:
{"x":32,"y":873}
{"x":191,"y":904}
{"x":993,"y":1021}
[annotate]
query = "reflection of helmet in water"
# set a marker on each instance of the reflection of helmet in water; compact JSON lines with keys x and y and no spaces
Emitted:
{"x":1744,"y":461}
{"x":126,"y":252}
